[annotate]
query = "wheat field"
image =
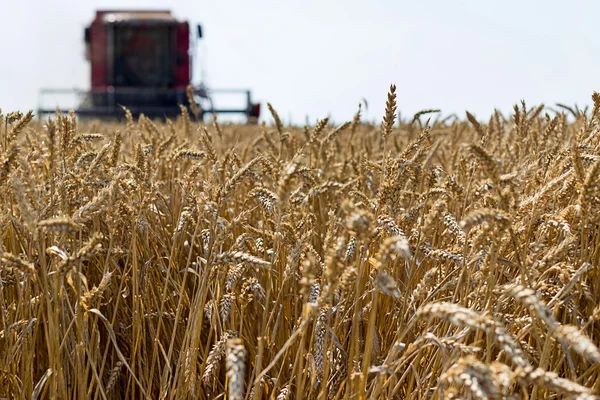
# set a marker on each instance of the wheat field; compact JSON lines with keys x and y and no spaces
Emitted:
{"x":432,"y":257}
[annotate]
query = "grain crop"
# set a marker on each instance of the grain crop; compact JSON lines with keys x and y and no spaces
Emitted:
{"x":405,"y":258}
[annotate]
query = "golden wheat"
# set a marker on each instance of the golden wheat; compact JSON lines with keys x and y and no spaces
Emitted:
{"x":176,"y":259}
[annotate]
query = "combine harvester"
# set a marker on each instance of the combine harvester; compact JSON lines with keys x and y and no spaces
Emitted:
{"x":141,"y":60}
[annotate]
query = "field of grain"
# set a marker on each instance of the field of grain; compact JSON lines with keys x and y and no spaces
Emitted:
{"x":415,"y":259}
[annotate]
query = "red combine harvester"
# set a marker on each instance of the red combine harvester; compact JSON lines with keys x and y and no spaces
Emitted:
{"x":141,"y":60}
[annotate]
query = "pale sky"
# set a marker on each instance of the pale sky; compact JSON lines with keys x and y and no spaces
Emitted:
{"x":317,"y":58}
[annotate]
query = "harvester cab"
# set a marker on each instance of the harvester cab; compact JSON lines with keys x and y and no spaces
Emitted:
{"x":141,"y":60}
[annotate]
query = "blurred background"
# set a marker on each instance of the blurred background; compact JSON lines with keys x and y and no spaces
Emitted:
{"x":313,"y":59}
